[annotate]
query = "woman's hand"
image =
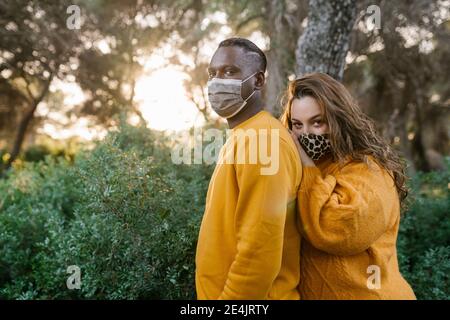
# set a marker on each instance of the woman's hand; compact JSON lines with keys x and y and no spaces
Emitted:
{"x":306,"y":160}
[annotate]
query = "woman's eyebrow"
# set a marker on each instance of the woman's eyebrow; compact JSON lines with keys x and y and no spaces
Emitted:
{"x":316,"y":116}
{"x":310,"y":119}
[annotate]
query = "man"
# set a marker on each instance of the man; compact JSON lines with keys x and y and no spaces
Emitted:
{"x":249,"y":245}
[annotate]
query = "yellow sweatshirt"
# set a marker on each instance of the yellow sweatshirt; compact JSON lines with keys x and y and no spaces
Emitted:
{"x":350,"y":217}
{"x":249,"y":244}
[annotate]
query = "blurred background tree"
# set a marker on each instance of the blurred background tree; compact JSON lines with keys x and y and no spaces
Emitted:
{"x":399,"y":74}
{"x":35,"y":45}
{"x":397,"y":71}
{"x":37,"y":48}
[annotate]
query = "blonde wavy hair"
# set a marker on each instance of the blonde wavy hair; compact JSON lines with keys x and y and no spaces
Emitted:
{"x":352,"y":133}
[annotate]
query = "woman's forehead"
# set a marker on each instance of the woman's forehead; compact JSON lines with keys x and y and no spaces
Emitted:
{"x":305,"y":108}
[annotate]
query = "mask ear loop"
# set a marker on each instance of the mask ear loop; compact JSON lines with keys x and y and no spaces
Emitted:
{"x":248,"y":98}
{"x":242,"y":106}
{"x":246,"y":80}
{"x":245,"y":101}
{"x":249,"y":77}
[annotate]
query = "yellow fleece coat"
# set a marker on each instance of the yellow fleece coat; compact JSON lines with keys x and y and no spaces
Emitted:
{"x":249,"y":245}
{"x":350,"y":217}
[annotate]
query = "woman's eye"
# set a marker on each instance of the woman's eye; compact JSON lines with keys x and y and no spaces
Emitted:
{"x":228,"y":72}
{"x":317,"y":123}
{"x":297,"y":125}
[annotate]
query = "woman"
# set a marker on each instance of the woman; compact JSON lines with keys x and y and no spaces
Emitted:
{"x":349,"y":197}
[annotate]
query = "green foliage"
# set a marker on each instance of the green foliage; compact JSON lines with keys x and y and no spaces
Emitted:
{"x":430,"y":277}
{"x":424,"y":237}
{"x":47,"y":147}
{"x":129,"y":219}
{"x":35,"y":202}
{"x":120,"y":213}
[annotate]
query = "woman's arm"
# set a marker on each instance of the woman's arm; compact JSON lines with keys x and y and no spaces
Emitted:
{"x":344,"y":213}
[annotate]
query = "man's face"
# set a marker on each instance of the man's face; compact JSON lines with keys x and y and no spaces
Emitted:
{"x":234,"y":63}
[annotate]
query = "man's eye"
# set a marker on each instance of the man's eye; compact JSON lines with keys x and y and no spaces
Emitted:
{"x":229,"y":72}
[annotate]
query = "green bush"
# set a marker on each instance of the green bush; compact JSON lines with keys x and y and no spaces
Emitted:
{"x":129,"y":218}
{"x":120,"y":213}
{"x":34,"y":205}
{"x":430,"y":276}
{"x":424,"y":237}
{"x":46,"y":147}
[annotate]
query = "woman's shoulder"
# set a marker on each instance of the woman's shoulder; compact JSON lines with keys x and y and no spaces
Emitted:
{"x":364,"y":165}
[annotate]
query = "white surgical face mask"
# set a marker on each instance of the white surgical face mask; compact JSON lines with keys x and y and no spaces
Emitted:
{"x":225,"y":96}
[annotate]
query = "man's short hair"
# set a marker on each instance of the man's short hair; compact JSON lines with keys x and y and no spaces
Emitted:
{"x":248,"y":46}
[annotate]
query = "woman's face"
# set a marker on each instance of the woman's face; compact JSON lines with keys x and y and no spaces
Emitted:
{"x":307,"y":117}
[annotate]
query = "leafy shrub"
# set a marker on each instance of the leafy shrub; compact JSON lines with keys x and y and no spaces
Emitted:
{"x":424,"y":237}
{"x":430,"y":276}
{"x":47,"y":147}
{"x":34,"y":204}
{"x":120,"y":213}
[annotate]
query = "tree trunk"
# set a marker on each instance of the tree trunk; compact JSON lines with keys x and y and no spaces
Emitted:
{"x":23,"y":125}
{"x":324,"y":44}
{"x":283,"y":26}
{"x":275,"y":84}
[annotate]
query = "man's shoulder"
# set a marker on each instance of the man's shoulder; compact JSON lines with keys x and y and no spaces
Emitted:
{"x":267,"y":124}
{"x":265,"y":120}
{"x":285,"y":137}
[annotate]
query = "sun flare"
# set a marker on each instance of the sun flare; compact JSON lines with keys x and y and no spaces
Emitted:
{"x":163,"y":102}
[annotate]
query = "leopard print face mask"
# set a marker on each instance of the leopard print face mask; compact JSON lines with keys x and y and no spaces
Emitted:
{"x":315,"y":145}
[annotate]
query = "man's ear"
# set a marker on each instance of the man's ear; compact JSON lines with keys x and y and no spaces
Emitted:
{"x":260,"y":80}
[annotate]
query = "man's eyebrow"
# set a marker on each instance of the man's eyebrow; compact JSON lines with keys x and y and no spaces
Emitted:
{"x":223,"y":66}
